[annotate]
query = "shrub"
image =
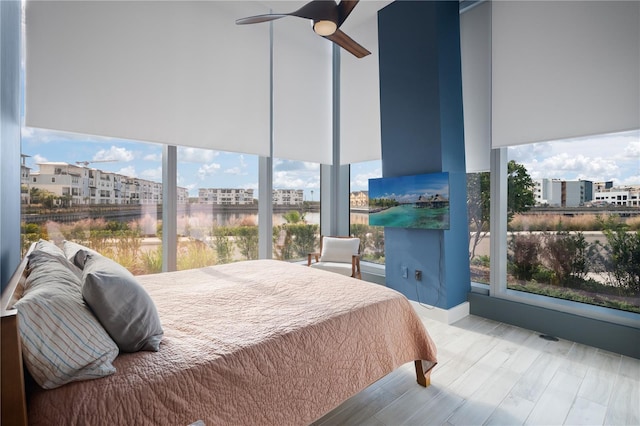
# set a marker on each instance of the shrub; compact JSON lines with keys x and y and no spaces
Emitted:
{"x":152,"y":261}
{"x":524,"y":255}
{"x":624,"y":251}
{"x":282,"y":247}
{"x":303,"y":238}
{"x":634,"y":223}
{"x":565,"y":254}
{"x":543,"y":275}
{"x":482,"y":260}
{"x":194,"y":254}
{"x":31,"y":233}
{"x":247,"y":241}
{"x":126,"y":248}
{"x":222,"y":243}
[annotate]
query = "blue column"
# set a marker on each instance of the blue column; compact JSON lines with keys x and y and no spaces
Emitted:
{"x":423,"y":132}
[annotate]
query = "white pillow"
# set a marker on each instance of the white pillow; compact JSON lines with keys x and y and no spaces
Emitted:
{"x":339,"y":249}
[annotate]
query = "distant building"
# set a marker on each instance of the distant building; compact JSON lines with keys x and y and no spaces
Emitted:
{"x":81,"y":185}
{"x":544,"y":191}
{"x":225,"y":196}
{"x":620,"y":196}
{"x":25,"y":187}
{"x":359,"y":199}
{"x":601,"y":186}
{"x":288,"y":197}
{"x":562,"y":193}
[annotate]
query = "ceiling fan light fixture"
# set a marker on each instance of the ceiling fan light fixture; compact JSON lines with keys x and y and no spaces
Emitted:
{"x":324,"y":27}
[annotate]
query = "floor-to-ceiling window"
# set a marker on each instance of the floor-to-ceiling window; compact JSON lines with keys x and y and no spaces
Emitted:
{"x":103,"y":193}
{"x":217,"y":208}
{"x":296,"y":209}
{"x":371,"y":237}
{"x":573,"y":220}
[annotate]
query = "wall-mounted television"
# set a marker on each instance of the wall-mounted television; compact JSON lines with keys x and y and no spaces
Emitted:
{"x":417,"y":201}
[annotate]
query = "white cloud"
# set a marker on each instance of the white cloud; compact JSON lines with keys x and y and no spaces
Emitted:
{"x":39,"y":159}
{"x":152,"y":174}
{"x":128,"y":171}
{"x":234,"y":171}
{"x":114,"y":154}
{"x":152,"y":157}
{"x":360,"y":182}
{"x":633,"y":149}
{"x":629,"y":180}
{"x":565,"y":166}
{"x":207,"y":170}
{"x":300,"y":180}
{"x":196,"y":155}
{"x":35,"y":135}
{"x":596,"y":158}
{"x":287,"y":180}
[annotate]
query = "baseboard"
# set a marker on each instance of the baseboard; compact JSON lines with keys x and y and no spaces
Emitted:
{"x":447,"y":316}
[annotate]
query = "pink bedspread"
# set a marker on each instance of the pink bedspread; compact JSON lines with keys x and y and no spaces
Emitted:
{"x":258,"y":342}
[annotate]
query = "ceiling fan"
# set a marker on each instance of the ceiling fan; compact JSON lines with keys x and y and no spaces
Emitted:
{"x":326,"y":16}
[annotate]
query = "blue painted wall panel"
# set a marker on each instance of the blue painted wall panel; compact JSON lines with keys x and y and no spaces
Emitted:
{"x":423,"y":132}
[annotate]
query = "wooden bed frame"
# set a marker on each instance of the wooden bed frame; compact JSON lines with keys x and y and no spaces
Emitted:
{"x":13,"y":395}
{"x":13,"y":402}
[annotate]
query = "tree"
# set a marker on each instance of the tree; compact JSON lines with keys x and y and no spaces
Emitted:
{"x":477,"y":208}
{"x":520,"y":198}
{"x":293,"y":217}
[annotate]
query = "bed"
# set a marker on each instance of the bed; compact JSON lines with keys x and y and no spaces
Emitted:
{"x":254,"y":342}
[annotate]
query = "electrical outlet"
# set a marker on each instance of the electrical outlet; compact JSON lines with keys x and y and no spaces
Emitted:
{"x":405,"y":271}
{"x":418,"y":275}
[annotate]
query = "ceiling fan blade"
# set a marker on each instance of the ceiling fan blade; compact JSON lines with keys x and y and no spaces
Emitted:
{"x":348,"y":44}
{"x":260,"y":18}
{"x":318,"y":10}
{"x":344,"y":9}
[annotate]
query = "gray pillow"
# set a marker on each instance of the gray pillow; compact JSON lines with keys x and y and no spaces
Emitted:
{"x":44,"y":256}
{"x":76,"y":253}
{"x":121,"y":304}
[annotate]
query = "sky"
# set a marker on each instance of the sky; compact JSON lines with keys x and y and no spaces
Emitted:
{"x":613,"y":157}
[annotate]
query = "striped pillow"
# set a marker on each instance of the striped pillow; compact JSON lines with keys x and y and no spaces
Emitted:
{"x":62,"y":341}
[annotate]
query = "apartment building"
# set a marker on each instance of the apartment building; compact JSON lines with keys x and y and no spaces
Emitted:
{"x":225,"y":196}
{"x":359,"y":199}
{"x":288,"y":197}
{"x":620,"y":196}
{"x":562,"y":193}
{"x":81,"y":185}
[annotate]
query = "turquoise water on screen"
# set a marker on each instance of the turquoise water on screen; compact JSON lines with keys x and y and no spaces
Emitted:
{"x":406,"y":216}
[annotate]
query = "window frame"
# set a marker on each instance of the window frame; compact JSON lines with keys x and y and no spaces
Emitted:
{"x":498,"y":269}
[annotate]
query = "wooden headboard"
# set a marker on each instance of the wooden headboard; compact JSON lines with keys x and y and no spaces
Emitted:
{"x":13,"y":397}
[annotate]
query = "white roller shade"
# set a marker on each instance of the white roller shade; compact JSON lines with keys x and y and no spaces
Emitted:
{"x":475,"y":46}
{"x":302,"y":92}
{"x":174,"y":72}
{"x":360,"y":138}
{"x":564,"y":69}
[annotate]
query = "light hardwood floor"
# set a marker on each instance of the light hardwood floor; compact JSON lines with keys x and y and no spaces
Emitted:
{"x":490,"y":373}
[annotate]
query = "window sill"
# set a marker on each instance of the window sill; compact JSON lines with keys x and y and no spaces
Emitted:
{"x":615,"y":316}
